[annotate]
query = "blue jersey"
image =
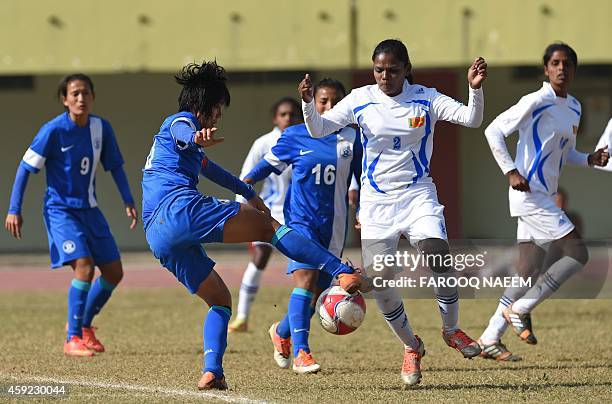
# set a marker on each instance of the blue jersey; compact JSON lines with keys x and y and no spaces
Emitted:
{"x":173,"y":164}
{"x":70,"y":155}
{"x":321,"y":173}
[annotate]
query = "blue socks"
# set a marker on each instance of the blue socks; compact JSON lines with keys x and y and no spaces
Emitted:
{"x":77,"y":297}
{"x":215,"y":338}
{"x":299,"y":248}
{"x":299,"y":319}
{"x":96,"y":299}
{"x":284,"y":329}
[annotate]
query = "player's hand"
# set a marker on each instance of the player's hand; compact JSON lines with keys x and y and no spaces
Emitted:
{"x":305,"y":89}
{"x":13,"y":224}
{"x":248,"y":181}
{"x":206,"y":137}
{"x":259,"y":204}
{"x":517,"y":181}
{"x":357,"y":223}
{"x":131,"y":212}
{"x":477,"y":73}
{"x":599,"y":157}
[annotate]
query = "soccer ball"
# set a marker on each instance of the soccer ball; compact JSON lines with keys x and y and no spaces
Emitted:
{"x":340,"y":312}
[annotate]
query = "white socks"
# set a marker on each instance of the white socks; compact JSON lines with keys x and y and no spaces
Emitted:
{"x":248,"y":290}
{"x":497,"y":324}
{"x":448,"y":303}
{"x":391,"y":306}
{"x":548,"y":283}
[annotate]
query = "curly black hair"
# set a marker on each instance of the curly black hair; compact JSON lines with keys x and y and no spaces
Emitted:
{"x":204,"y":87}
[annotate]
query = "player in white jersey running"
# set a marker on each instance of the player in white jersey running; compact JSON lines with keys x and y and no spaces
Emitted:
{"x":285,"y":112}
{"x":605,"y":140}
{"x":547,"y":121}
{"x":396,"y":120}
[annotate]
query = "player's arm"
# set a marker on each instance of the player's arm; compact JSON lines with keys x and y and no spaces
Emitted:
{"x":33,"y":160}
{"x":605,"y":140}
{"x":14,"y":220}
{"x":112,"y":161}
{"x":338,"y":117}
{"x":506,"y":123}
{"x":276,"y":160}
{"x":220,"y":176}
{"x":448,"y":109}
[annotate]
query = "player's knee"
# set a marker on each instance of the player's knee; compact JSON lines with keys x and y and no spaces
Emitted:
{"x":266,"y":232}
{"x":84,"y":270}
{"x":579,"y":252}
{"x":437,"y":255}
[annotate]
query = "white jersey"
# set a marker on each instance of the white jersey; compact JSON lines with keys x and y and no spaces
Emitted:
{"x":396,"y":133}
{"x":606,"y":140}
{"x":547,"y":127}
{"x":274,"y":186}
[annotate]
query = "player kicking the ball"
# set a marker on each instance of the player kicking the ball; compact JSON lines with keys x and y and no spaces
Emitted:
{"x":396,"y":119}
{"x":178,"y":219}
{"x":547,"y":121}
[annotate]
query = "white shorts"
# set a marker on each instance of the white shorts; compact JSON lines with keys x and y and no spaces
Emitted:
{"x":417,"y":216}
{"x":543,"y":229}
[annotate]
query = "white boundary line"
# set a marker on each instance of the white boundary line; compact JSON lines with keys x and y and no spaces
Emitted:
{"x":140,"y":388}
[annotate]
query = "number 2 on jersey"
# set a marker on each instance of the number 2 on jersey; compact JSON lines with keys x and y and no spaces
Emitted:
{"x":329,"y":174}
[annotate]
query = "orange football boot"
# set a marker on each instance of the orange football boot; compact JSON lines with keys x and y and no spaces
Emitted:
{"x":76,"y":347}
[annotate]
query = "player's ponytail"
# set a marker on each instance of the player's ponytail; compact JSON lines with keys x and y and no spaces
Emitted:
{"x":204,"y":87}
{"x":397,"y":49}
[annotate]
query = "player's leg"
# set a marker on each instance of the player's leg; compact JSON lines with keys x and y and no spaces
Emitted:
{"x":68,"y":245}
{"x":99,"y":294}
{"x":77,"y":298}
{"x":106,"y":256}
{"x":299,"y":314}
{"x":574,"y":256}
{"x":544,"y":229}
{"x":260,"y":255}
{"x":435,"y":250}
{"x":216,"y":295}
{"x":531,"y":258}
{"x":249,"y":224}
{"x":389,"y":300}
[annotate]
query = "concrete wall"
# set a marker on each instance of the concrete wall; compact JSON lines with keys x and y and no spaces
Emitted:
{"x":42,"y":37}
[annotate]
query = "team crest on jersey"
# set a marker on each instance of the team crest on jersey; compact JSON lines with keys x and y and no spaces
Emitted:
{"x":68,"y":246}
{"x":417,"y":122}
{"x":420,"y":91}
{"x":346,"y":152}
{"x":97,"y":143}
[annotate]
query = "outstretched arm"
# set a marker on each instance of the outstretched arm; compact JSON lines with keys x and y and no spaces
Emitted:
{"x":470,"y":115}
{"x":338,"y":117}
{"x":220,"y":176}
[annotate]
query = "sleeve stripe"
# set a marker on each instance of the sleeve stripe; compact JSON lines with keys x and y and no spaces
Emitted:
{"x":181,"y":119}
{"x":34,"y":159}
{"x":275,"y":162}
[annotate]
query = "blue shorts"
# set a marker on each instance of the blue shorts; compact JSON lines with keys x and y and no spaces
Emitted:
{"x":79,"y":233}
{"x":325,"y":279}
{"x":179,"y":227}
